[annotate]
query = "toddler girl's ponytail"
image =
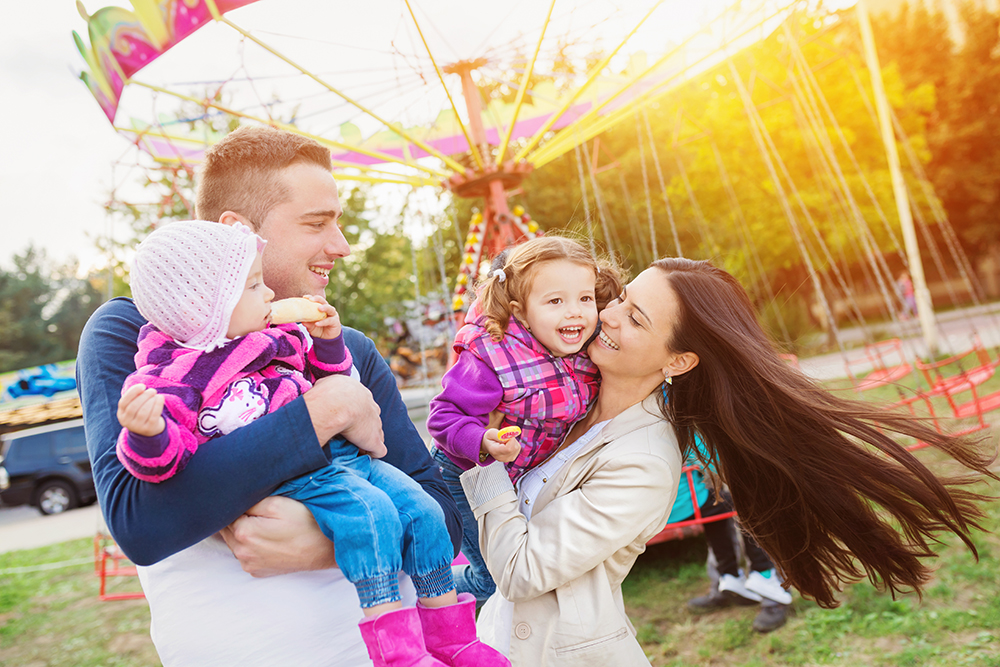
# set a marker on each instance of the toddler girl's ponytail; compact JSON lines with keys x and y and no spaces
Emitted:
{"x":513,"y":271}
{"x":494,"y":298}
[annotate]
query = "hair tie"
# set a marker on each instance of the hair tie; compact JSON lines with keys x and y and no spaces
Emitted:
{"x":500,"y":275}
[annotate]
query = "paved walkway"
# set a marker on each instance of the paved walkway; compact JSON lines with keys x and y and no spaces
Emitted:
{"x":955,"y":330}
{"x":26,"y":528}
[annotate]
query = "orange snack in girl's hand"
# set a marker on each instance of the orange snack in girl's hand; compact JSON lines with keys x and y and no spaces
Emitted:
{"x":506,"y":434}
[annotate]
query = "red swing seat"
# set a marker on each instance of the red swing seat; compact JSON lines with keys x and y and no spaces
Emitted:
{"x":108,"y":562}
{"x":679,"y":530}
{"x":882,"y":373}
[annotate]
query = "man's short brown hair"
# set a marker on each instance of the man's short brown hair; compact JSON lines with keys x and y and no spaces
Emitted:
{"x":241,"y":172}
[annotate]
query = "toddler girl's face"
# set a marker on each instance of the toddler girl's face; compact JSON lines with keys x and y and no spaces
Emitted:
{"x":560,"y":310}
{"x":253,"y":312}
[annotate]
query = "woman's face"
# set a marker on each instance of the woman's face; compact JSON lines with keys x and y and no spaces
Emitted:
{"x":635,"y":329}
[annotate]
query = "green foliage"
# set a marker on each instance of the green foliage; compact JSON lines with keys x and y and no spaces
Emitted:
{"x":43,"y":308}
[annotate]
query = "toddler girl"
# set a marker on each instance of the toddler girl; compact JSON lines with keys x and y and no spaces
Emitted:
{"x":209,"y":362}
{"x":520,"y":358}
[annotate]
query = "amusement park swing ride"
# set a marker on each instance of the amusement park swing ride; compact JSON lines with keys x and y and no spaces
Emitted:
{"x":485,"y":151}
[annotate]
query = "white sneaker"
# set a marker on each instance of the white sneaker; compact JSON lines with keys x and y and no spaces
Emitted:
{"x":737,"y":585}
{"x":768,"y":584}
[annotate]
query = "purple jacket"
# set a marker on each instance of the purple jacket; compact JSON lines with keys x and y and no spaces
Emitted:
{"x":213,"y":393}
{"x":534,"y":390}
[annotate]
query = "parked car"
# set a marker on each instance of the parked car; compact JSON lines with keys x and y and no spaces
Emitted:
{"x":47,"y":467}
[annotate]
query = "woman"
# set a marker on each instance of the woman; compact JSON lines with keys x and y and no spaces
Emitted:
{"x":805,"y":469}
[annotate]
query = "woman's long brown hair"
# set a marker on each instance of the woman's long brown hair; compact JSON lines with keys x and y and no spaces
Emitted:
{"x":815,"y":478}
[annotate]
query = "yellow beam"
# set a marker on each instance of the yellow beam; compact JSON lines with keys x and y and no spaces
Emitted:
{"x":473,"y":148}
{"x":415,"y":181}
{"x":453,"y":164}
{"x":524,"y":87}
{"x":587,"y":126}
{"x":383,"y":157}
{"x":586,"y":84}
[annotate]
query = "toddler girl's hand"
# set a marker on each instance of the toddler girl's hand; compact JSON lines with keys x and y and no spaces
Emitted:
{"x":327,"y":328}
{"x":503,"y":450}
{"x":140,"y":410}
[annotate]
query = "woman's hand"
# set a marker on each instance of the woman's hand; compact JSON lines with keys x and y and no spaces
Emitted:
{"x":279,"y":535}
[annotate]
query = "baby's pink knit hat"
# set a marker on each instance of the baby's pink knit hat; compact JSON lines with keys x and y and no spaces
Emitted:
{"x":187,"y":278}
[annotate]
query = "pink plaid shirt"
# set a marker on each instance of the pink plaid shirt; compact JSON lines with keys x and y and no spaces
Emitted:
{"x":542,"y":394}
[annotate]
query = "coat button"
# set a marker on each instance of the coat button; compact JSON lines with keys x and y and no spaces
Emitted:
{"x":522,"y":631}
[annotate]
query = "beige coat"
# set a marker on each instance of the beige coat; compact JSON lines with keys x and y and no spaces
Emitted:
{"x":563,"y":569}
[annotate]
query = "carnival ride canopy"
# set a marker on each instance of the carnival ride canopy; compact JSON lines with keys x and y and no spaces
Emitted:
{"x":369,"y":80}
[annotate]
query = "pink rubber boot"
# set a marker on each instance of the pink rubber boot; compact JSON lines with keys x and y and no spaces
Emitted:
{"x":394,"y":639}
{"x":450,"y":635}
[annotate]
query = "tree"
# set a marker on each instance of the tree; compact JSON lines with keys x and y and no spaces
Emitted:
{"x":43,"y":309}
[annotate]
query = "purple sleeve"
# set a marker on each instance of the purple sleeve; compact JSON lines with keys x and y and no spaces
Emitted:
{"x":149,"y":446}
{"x":460,"y":414}
{"x":329,"y":356}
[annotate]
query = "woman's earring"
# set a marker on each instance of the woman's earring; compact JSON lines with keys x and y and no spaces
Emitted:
{"x":668,"y":379}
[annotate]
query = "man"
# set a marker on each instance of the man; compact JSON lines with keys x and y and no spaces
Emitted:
{"x":208,"y":608}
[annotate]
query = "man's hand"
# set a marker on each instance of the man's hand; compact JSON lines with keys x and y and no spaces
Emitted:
{"x":503,"y":450}
{"x":140,"y":410}
{"x":340,"y":405}
{"x":279,"y":535}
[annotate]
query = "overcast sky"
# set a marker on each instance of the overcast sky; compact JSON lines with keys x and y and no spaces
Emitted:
{"x":58,"y":148}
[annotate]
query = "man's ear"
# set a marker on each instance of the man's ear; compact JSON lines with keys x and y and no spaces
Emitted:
{"x":680,"y":364}
{"x":230,"y":218}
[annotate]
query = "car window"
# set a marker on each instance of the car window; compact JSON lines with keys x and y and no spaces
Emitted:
{"x":70,"y":442}
{"x":30,"y":449}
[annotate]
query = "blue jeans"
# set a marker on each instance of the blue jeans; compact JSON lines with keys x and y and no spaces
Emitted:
{"x":473,"y":578}
{"x":381,"y":522}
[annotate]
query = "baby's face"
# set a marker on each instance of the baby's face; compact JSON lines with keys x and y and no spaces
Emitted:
{"x":253,"y":312}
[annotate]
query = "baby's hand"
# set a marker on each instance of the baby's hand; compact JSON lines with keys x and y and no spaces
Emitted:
{"x":327,"y":328}
{"x":503,"y":449}
{"x":140,"y":410}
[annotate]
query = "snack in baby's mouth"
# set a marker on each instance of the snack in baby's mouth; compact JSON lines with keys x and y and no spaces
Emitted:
{"x":295,"y":309}
{"x":506,"y":434}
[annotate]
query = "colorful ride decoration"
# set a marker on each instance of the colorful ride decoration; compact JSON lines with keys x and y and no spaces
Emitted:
{"x":122,"y":42}
{"x":502,"y":230}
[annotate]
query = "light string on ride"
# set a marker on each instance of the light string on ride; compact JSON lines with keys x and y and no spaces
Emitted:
{"x":633,"y":222}
{"x":813,"y":128}
{"x":663,"y":185}
{"x":749,"y":248}
{"x":864,"y":234}
{"x":586,"y":201}
{"x":957,"y":253}
{"x":757,"y":130}
{"x":807,"y":92}
{"x":611,"y":241}
{"x":745,"y":237}
{"x":602,"y":211}
{"x":701,"y":223}
{"x":645,"y":187}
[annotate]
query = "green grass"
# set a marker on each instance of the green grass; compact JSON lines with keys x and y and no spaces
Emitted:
{"x":53,"y":617}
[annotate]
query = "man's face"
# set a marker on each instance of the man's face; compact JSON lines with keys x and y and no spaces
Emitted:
{"x":303,"y":235}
